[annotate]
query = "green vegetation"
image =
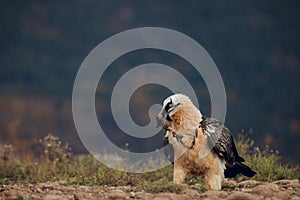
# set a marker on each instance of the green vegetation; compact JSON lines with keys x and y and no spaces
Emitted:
{"x":58,"y":164}
{"x":266,"y":162}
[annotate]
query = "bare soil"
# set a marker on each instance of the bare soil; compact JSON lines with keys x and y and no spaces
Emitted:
{"x":232,"y":190}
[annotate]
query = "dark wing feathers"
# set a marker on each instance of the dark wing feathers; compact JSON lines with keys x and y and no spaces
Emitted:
{"x":237,"y":157}
{"x":222,"y":143}
{"x":220,"y":139}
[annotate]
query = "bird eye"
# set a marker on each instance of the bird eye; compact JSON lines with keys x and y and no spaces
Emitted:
{"x":168,"y":106}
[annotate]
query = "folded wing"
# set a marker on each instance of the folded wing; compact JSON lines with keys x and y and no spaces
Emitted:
{"x":222,"y":143}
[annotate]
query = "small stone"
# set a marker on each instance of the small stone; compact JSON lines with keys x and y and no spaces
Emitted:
{"x":282,"y":195}
{"x":230,"y":183}
{"x":249,"y":183}
{"x":33,"y":196}
{"x":215,"y":194}
{"x":266,"y":190}
{"x":295,"y":198}
{"x":54,"y":197}
{"x":12,"y":194}
{"x":143,"y":195}
{"x":132,"y":194}
{"x":84,"y":188}
{"x":82,"y":196}
{"x":116,"y":194}
{"x":39,"y":190}
{"x":161,"y":198}
{"x":241,"y":195}
{"x":286,"y":182}
{"x":67,"y":189}
{"x":62,"y":182}
{"x":191,"y":193}
{"x":167,"y":196}
{"x":275,"y":198}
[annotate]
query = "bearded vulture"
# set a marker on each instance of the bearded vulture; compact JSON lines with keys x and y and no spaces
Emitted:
{"x":201,"y":145}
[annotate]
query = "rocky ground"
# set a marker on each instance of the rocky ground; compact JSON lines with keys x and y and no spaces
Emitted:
{"x":247,"y":190}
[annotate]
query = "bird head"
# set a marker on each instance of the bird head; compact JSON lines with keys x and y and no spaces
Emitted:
{"x":170,"y":106}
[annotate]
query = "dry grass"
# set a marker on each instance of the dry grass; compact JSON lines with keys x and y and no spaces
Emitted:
{"x":266,"y":161}
{"x":58,"y":163}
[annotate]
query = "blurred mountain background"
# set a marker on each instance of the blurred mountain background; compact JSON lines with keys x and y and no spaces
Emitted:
{"x":255,"y":45}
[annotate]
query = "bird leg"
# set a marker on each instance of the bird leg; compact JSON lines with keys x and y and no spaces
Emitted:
{"x":212,"y":180}
{"x":214,"y":174}
{"x":179,"y":173}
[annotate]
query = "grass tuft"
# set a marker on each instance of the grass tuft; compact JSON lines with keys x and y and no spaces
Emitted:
{"x":265,"y":162}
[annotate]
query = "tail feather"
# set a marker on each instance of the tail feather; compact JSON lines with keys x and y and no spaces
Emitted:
{"x":239,"y":168}
{"x":235,"y":153}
